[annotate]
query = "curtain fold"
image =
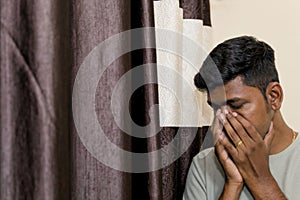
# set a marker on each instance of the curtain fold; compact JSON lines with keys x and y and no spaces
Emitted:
{"x":148,"y":184}
{"x":94,"y":22}
{"x":44,"y":45}
{"x":35,"y":58}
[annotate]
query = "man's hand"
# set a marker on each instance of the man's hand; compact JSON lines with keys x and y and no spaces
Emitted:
{"x":250,"y":154}
{"x":234,"y":180}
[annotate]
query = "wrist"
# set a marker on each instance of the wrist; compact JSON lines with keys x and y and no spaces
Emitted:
{"x":266,"y":188}
{"x":234,"y":184}
{"x":231,"y":190}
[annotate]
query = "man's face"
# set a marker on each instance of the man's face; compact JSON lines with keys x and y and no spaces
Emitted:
{"x":245,"y":100}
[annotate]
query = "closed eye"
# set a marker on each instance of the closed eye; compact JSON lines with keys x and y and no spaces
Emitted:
{"x":235,"y":107}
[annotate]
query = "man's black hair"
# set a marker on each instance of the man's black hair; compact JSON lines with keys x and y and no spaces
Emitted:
{"x":243,"y":56}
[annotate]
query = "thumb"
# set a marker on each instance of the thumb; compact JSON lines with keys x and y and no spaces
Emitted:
{"x":269,"y":136}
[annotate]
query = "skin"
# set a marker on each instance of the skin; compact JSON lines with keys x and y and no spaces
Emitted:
{"x":243,"y":114}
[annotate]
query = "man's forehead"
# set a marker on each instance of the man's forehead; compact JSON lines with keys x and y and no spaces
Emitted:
{"x":221,"y":102}
{"x":225,"y":95}
{"x":234,"y":90}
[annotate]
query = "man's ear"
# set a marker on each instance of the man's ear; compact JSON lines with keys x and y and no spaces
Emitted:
{"x":274,"y":95}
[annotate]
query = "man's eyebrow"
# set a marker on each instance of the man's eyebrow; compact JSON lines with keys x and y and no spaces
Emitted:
{"x":233,"y":100}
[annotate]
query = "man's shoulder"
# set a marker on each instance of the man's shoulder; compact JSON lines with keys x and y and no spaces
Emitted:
{"x":205,"y":155}
{"x":207,"y":165}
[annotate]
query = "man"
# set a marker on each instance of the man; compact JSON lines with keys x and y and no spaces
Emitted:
{"x":256,"y":154}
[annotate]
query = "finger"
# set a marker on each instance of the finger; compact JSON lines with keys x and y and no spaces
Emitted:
{"x":229,"y":129}
{"x":269,"y":136}
{"x":217,"y":136}
{"x":228,"y":145}
{"x":250,"y":129}
{"x":240,"y":131}
{"x":217,"y":126}
{"x":221,"y":153}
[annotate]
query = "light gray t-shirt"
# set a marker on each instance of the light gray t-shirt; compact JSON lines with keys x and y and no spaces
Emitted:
{"x":206,"y":178}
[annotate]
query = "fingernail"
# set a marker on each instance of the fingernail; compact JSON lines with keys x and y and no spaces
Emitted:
{"x":234,"y":114}
{"x":226,"y":111}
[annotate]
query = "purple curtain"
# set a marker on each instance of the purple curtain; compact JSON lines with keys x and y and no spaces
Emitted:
{"x":36,"y":62}
{"x":43,"y":44}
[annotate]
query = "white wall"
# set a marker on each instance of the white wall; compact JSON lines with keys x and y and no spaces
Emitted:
{"x":276,"y":22}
